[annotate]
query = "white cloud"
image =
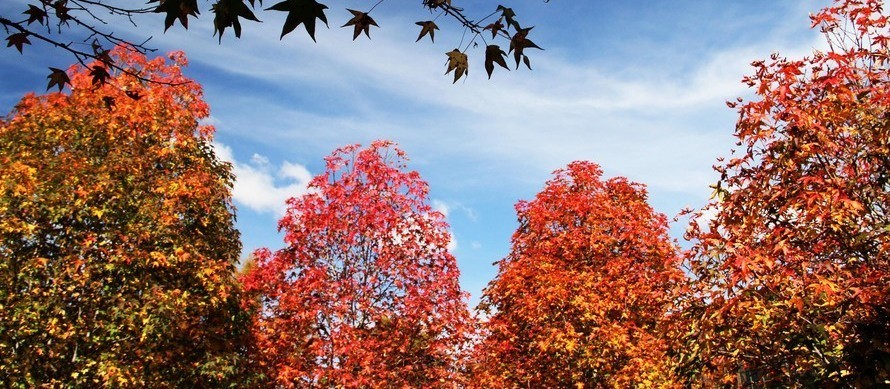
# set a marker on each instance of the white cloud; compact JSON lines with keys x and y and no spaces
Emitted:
{"x":258,"y":189}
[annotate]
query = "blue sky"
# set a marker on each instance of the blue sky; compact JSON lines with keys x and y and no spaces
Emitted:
{"x":636,"y":86}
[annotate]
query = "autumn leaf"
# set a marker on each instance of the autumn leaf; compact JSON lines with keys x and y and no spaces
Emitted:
{"x":301,"y":12}
{"x":427,"y":27}
{"x":99,"y":74}
{"x":508,"y":15}
{"x":109,"y":102}
{"x":57,"y":77}
{"x":36,"y":14}
{"x":18,"y":40}
{"x":362,"y":22}
{"x":458,"y":63}
{"x":518,"y":43}
{"x":433,"y":4}
{"x":177,"y":9}
{"x":494,"y":55}
{"x":495,"y":28}
{"x":226,"y":14}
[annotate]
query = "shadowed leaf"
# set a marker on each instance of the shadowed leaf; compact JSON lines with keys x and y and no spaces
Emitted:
{"x":458,"y":63}
{"x":57,"y":77}
{"x":427,"y":27}
{"x":18,"y":40}
{"x":494,"y":55}
{"x":35,"y":14}
{"x":301,"y":12}
{"x":227,"y":13}
{"x":362,"y":22}
{"x":177,"y":9}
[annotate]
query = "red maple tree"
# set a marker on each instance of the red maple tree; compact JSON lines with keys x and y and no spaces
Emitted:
{"x":792,"y":271}
{"x":581,"y":297}
{"x":366,"y":293}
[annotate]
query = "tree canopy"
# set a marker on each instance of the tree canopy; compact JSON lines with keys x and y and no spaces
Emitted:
{"x":792,"y":271}
{"x":117,"y":244}
{"x":365,"y":294}
{"x":581,"y":296}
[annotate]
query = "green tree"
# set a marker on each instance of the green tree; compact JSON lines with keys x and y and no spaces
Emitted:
{"x":117,"y":243}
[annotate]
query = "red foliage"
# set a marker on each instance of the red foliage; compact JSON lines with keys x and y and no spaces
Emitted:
{"x":365,"y":294}
{"x":581,"y":296}
{"x":793,"y":281}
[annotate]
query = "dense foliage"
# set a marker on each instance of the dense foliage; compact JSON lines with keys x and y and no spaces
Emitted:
{"x":793,"y":271}
{"x":118,"y":250}
{"x":117,"y":245}
{"x":366,"y":293}
{"x":581,"y":296}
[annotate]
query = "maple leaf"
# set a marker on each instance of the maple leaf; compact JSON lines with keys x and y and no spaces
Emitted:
{"x":35,"y":14}
{"x":509,"y":15}
{"x":427,"y":27}
{"x":518,"y":43}
{"x":109,"y":102}
{"x":18,"y":40}
{"x":301,"y":12}
{"x":362,"y":22}
{"x":133,"y":94}
{"x":433,"y":4}
{"x":227,"y":13}
{"x":494,"y":55}
{"x":495,"y":28}
{"x":457,"y":62}
{"x":99,"y":74}
{"x":177,"y":9}
{"x":57,"y":77}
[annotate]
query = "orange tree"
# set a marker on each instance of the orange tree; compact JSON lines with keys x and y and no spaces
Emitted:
{"x":365,"y":294}
{"x":117,"y":244}
{"x":581,"y":297}
{"x":792,"y":272}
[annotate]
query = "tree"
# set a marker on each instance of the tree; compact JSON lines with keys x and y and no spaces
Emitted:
{"x":792,"y":274}
{"x":81,"y":19}
{"x":581,"y":296}
{"x":117,"y":244}
{"x":365,"y":294}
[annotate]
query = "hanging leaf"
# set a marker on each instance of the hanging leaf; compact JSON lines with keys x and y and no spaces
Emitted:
{"x":18,"y":40}
{"x":36,"y":14}
{"x":362,"y":22}
{"x":301,"y":12}
{"x":458,"y":63}
{"x":508,"y":15}
{"x":495,"y":28}
{"x":99,"y":75}
{"x":427,"y":27}
{"x":519,"y":43}
{"x":176,"y":9}
{"x":57,"y":77}
{"x":494,"y":55}
{"x":227,"y":13}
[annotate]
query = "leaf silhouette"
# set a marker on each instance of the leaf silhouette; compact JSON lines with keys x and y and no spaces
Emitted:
{"x":509,"y":15}
{"x":35,"y":14}
{"x":99,"y":74}
{"x":301,"y":12}
{"x":227,"y":13}
{"x":18,"y":40}
{"x":494,"y":55}
{"x":427,"y":27}
{"x":362,"y":22}
{"x":176,"y":9}
{"x":495,"y":28}
{"x":519,"y":43}
{"x":457,"y":62}
{"x":57,"y":77}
